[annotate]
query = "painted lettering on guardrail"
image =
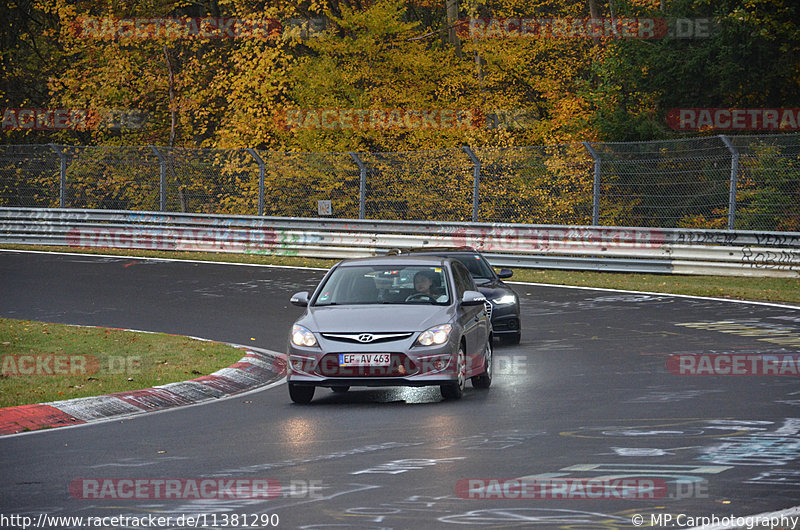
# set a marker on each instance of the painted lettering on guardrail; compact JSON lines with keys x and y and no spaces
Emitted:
{"x":775,"y":240}
{"x":767,"y":239}
{"x":705,"y":238}
{"x":786,"y":259}
{"x":162,"y":218}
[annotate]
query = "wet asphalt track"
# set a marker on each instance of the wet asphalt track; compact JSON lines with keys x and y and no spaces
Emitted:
{"x":586,"y":394}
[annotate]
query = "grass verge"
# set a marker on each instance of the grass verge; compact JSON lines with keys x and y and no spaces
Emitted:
{"x":734,"y":287}
{"x":785,"y":290}
{"x":51,"y":362}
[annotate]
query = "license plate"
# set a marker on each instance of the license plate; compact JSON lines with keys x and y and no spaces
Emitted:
{"x":364,"y":359}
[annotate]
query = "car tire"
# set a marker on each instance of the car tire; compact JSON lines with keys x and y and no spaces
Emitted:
{"x":301,"y":394}
{"x":340,"y":389}
{"x":512,"y":339}
{"x":455,"y":389}
{"x":485,"y":379}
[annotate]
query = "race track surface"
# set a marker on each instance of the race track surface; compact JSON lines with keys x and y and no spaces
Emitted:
{"x":591,"y":391}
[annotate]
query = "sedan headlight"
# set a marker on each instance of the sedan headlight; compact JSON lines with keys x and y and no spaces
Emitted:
{"x":435,"y":335}
{"x":302,"y":337}
{"x":506,"y":299}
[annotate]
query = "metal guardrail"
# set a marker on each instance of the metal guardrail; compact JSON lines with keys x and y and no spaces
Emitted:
{"x":613,"y":249}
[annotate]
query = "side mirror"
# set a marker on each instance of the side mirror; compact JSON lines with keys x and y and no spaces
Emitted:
{"x":300,"y":299}
{"x":505,"y":273}
{"x":473,"y":298}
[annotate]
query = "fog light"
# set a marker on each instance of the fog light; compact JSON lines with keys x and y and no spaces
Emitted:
{"x":298,"y":364}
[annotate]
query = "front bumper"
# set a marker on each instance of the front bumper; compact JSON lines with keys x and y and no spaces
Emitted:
{"x":414,"y":366}
{"x":505,"y":320}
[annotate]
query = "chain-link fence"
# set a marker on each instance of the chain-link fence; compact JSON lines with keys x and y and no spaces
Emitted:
{"x":741,"y":182}
{"x":539,"y":184}
{"x":665,"y":183}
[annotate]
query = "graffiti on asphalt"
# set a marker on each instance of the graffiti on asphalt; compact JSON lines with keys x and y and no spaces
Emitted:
{"x":766,"y":448}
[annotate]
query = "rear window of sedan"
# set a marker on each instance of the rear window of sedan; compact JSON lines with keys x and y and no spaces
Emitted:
{"x":416,"y":284}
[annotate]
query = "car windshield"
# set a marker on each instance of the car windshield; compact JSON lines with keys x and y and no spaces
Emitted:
{"x":477,"y":267}
{"x":384,"y":285}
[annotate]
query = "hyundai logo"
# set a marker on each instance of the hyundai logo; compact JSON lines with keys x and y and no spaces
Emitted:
{"x":365,"y":337}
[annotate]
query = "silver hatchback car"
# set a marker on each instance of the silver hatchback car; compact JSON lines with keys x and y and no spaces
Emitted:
{"x":391,"y":321}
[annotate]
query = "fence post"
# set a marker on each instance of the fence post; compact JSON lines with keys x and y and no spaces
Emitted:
{"x":362,"y":185}
{"x":163,"y":186}
{"x":734,"y":178}
{"x":596,"y":185}
{"x":260,"y":163}
{"x":476,"y":180}
{"x":62,"y":181}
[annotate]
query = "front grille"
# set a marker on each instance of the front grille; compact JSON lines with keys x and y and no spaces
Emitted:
{"x":366,"y":338}
{"x":400,"y":365}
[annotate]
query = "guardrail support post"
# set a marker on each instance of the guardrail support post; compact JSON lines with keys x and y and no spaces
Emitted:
{"x":596,"y":186}
{"x":62,"y":181}
{"x":260,"y":163}
{"x":163,"y":183}
{"x":734,"y":178}
{"x":362,"y":185}
{"x":476,"y":179}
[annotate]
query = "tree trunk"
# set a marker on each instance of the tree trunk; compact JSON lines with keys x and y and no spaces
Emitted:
{"x":452,"y":21}
{"x":173,"y":125}
{"x":594,"y":13}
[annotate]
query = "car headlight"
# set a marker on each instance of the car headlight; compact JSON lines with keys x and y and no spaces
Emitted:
{"x":506,"y":299}
{"x":302,"y":337}
{"x":435,"y":335}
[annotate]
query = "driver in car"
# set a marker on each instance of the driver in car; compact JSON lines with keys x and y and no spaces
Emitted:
{"x":423,"y":285}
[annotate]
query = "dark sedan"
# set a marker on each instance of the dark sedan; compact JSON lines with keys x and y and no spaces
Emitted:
{"x":504,"y":301}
